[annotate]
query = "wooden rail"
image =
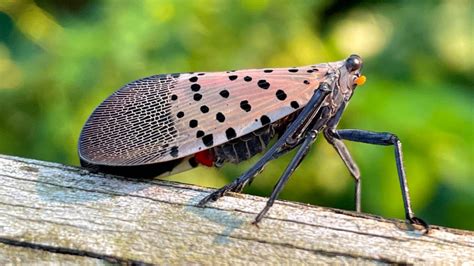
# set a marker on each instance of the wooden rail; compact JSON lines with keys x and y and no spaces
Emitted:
{"x":55,"y":213}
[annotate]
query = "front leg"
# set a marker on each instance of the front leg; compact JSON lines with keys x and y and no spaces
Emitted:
{"x":346,"y":157}
{"x":385,"y":138}
{"x":341,"y":149}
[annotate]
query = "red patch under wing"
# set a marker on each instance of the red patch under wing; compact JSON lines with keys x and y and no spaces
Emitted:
{"x":205,"y":158}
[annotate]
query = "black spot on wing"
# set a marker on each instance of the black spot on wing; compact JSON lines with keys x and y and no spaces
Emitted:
{"x":204,"y":109}
{"x":200,"y":133}
{"x":230,"y":133}
{"x":193,"y":123}
{"x":197,"y":97}
{"x":244,"y":105}
{"x":174,"y":151}
{"x":224,"y":93}
{"x":281,"y":95}
{"x":263,"y":84}
{"x":195,"y":87}
{"x":295,"y":104}
{"x":220,"y":117}
{"x":265,"y":120}
{"x":208,"y":140}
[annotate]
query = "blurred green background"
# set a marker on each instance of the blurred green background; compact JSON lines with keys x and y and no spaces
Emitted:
{"x":60,"y":59}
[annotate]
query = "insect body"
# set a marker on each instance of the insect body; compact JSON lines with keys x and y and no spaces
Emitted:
{"x":165,"y":124}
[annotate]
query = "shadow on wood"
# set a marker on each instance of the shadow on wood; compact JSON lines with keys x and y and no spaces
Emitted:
{"x":55,"y":213}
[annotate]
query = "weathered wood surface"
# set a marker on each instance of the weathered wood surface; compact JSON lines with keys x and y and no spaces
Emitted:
{"x":55,"y":213}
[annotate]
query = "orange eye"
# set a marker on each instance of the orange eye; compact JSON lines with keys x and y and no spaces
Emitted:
{"x":360,"y":80}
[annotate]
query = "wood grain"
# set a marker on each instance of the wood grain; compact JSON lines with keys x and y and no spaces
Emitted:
{"x":55,"y":213}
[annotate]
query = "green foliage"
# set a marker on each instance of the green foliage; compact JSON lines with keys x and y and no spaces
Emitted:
{"x":58,"y":61}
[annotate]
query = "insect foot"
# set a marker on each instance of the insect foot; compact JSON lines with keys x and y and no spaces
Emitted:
{"x":418,"y":221}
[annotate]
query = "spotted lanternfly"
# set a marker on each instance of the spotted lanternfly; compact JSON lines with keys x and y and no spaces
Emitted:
{"x":165,"y":124}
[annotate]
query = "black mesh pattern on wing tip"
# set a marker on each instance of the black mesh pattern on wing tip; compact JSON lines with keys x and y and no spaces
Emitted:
{"x":133,"y":126}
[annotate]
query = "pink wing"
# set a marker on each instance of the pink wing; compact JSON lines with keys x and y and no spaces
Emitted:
{"x":165,"y":117}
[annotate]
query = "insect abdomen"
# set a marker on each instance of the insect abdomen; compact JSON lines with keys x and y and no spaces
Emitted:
{"x":247,"y":146}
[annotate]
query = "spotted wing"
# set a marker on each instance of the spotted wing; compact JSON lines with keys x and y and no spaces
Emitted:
{"x":165,"y":117}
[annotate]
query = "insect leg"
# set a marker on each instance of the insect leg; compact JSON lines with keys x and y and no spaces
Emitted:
{"x":295,"y":141}
{"x":284,"y":150}
{"x":308,"y":140}
{"x":300,"y":154}
{"x":316,"y":121}
{"x":299,"y":124}
{"x":341,"y":149}
{"x":346,"y":157}
{"x":384,"y":138}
